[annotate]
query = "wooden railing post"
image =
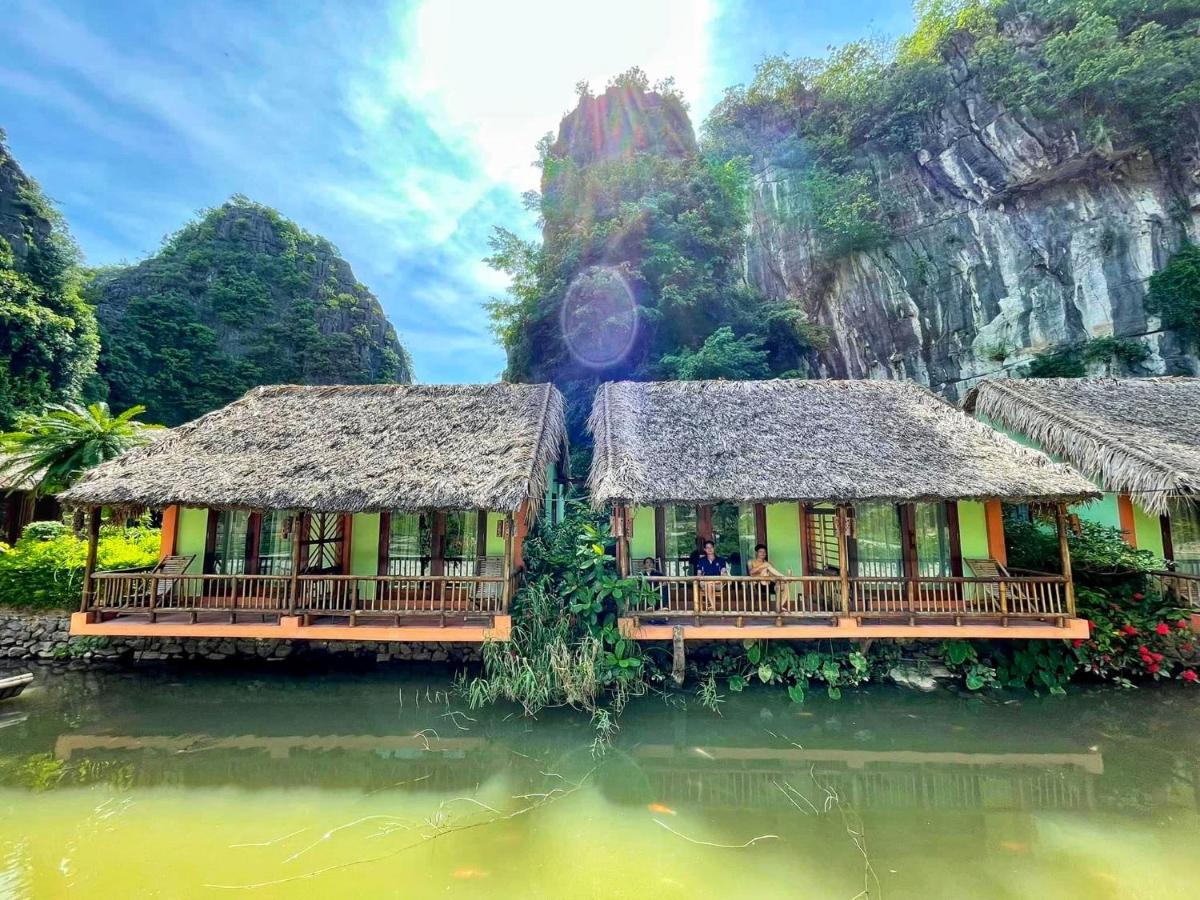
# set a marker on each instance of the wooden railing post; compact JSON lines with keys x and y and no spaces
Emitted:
{"x":843,"y":538}
{"x":294,"y":582}
{"x":89,"y":565}
{"x":1064,"y":551}
{"x":696,"y":599}
{"x":153,"y":595}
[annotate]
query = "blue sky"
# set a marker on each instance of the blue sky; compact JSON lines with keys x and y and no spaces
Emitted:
{"x":401,"y":131}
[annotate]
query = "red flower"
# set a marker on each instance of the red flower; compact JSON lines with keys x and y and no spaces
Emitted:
{"x":1139,"y":596}
{"x":1129,"y":630}
{"x":1144,"y":650}
{"x":1078,"y":642}
{"x":1188,"y":648}
{"x":1189,"y":675}
{"x":1182,"y":624}
{"x":1162,"y":628}
{"x":1152,"y":668}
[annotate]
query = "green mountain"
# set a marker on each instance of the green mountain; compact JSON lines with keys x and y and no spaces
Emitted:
{"x":240,"y":297}
{"x":48,"y":339}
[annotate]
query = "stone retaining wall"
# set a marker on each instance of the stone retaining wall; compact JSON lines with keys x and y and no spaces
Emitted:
{"x":45,"y":636}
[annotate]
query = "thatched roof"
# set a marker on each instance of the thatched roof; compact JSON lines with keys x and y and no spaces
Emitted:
{"x":1139,"y":436}
{"x":763,"y":441}
{"x":347,"y":448}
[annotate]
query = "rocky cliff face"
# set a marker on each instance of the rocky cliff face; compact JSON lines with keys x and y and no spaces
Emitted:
{"x":240,"y":298}
{"x":1010,"y":236}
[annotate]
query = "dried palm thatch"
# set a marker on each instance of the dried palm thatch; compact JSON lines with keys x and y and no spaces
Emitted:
{"x":764,"y":441}
{"x":347,"y":448}
{"x":1139,"y":436}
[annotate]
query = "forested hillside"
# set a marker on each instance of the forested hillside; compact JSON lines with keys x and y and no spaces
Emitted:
{"x":639,"y":274}
{"x":994,"y":194}
{"x":239,"y":298}
{"x":48,"y":337}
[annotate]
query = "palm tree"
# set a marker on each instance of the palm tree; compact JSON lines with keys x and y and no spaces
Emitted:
{"x":51,"y":450}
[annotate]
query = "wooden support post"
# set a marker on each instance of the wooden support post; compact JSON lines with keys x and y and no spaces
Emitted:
{"x":678,"y":656}
{"x":1064,"y":552}
{"x":843,"y":538}
{"x":619,"y":527}
{"x":1125,"y":517}
{"x":169,"y":533}
{"x":89,"y":565}
{"x":294,"y":582}
{"x":507,"y":568}
{"x":994,"y":519}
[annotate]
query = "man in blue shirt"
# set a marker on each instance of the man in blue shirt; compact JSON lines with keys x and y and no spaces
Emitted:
{"x":708,"y":563}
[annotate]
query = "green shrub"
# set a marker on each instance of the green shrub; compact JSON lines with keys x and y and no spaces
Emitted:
{"x":44,"y":569}
{"x":1175,"y":293}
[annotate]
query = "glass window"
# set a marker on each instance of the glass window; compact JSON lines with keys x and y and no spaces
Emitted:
{"x":933,"y":540}
{"x":680,"y":537}
{"x":461,"y":542}
{"x":879,"y":541}
{"x":275,"y":533}
{"x":462,"y":534}
{"x":410,"y":539}
{"x":735,"y":534}
{"x":229,"y":547}
{"x":1185,"y":537}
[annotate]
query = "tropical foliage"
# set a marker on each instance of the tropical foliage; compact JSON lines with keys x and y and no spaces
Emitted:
{"x":54,"y":448}
{"x":44,"y":569}
{"x":1175,"y":293}
{"x":48,"y":339}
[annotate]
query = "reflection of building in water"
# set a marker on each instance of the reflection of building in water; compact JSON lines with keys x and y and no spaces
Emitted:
{"x":753,"y":778}
{"x":720,"y":778}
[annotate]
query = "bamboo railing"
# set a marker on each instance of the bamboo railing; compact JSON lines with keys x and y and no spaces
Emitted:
{"x":830,"y":596}
{"x":270,"y":596}
{"x":1184,"y":585}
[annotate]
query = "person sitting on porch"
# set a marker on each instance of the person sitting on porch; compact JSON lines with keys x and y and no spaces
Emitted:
{"x":650,"y":568}
{"x":708,"y":563}
{"x":760,"y":566}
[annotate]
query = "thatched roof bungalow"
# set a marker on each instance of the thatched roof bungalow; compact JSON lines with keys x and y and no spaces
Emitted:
{"x":346,"y":449}
{"x":393,"y":501}
{"x":872,"y":499}
{"x":1137,"y":438}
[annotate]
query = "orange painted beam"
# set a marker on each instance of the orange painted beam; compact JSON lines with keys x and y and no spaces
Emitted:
{"x":994,"y":517}
{"x":849,"y":629}
{"x":1125,"y":514}
{"x":170,"y":532}
{"x":291,"y":629}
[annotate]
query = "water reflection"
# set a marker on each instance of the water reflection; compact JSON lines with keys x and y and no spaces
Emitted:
{"x":935,"y":781}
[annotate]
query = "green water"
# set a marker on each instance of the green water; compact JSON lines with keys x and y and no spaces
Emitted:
{"x":187,"y":784}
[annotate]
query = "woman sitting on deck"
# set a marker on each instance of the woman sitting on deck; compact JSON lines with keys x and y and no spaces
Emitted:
{"x":760,"y":566}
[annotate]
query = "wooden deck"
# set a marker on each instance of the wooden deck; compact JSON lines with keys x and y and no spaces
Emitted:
{"x":294,"y":628}
{"x":413,"y":608}
{"x":832,"y":606}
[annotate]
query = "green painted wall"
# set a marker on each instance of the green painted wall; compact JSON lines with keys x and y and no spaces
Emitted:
{"x":190,"y":536}
{"x":495,"y":543}
{"x":364,"y":544}
{"x":642,"y":544}
{"x":783,"y":537}
{"x":1148,"y":530}
{"x":972,"y":530}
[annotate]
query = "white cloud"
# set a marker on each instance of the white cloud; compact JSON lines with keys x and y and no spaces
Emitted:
{"x":500,"y":75}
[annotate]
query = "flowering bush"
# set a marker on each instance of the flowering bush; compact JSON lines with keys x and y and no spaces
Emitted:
{"x":1135,"y":637}
{"x":44,"y":569}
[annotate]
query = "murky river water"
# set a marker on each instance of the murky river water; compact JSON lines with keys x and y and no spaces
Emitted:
{"x":170,"y":784}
